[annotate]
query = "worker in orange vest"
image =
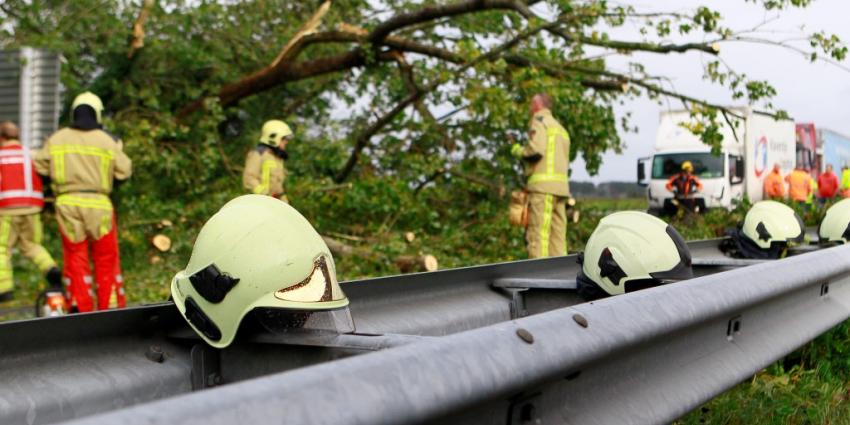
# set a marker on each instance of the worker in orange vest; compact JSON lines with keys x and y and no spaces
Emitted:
{"x":774,"y":184}
{"x":799,"y":185}
{"x":684,"y":185}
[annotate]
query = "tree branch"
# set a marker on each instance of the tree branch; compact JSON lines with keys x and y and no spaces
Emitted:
{"x":711,"y":48}
{"x":431,"y":13}
{"x":138,"y":39}
{"x":651,"y":87}
{"x":281,"y":71}
{"x":494,"y":53}
{"x":409,"y":80}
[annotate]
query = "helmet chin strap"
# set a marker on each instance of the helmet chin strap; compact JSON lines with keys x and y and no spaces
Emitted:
{"x":278,"y":152}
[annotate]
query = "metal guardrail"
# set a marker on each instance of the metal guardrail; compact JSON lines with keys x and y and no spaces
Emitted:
{"x":646,"y":357}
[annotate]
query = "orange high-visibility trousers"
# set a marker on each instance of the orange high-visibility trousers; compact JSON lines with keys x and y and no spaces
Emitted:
{"x":107,"y":272}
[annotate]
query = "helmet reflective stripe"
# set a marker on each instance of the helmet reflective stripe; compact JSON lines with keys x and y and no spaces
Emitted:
{"x":319,"y":286}
{"x":769,"y":222}
{"x":274,"y":131}
{"x":835,"y":226}
{"x":632,"y":250}
{"x":90,"y":99}
{"x":257,"y":252}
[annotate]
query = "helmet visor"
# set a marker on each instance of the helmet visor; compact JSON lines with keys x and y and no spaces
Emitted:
{"x":281,"y":320}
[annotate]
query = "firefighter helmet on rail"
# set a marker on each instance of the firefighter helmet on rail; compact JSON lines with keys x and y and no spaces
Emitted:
{"x":629,"y":251}
{"x":768,"y":229}
{"x":258,"y":254}
{"x":835,"y":226}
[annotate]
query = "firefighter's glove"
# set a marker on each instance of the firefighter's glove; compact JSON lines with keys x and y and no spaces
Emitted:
{"x":516,"y":150}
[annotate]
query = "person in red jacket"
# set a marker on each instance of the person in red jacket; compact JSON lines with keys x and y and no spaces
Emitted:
{"x":827,"y":185}
{"x":21,"y":201}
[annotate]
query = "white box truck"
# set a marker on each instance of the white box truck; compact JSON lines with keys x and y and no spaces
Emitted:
{"x":833,"y":149}
{"x":738,"y":170}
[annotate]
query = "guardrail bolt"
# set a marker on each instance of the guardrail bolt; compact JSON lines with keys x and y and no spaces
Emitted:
{"x":213,"y":379}
{"x":525,"y":335}
{"x":578,"y":318}
{"x":155,"y":354}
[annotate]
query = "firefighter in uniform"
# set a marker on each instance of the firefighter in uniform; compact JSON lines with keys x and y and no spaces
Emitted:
{"x":264,"y":170}
{"x":684,"y":185}
{"x":21,"y":201}
{"x":82,"y":162}
{"x":547,"y":160}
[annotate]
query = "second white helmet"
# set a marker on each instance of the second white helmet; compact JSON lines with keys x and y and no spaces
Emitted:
{"x":629,"y":251}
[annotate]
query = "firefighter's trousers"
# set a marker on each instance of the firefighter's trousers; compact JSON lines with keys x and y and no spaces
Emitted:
{"x":25,"y":231}
{"x":546,"y":234}
{"x":89,"y":219}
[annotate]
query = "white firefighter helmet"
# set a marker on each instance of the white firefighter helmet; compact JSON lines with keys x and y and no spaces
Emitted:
{"x":629,"y":251}
{"x":274,"y":131}
{"x":770,"y":223}
{"x":89,"y":99}
{"x":835,"y":226}
{"x":259,"y":254}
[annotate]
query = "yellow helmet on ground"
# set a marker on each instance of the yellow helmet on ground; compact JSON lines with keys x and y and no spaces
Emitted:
{"x":687,"y":166}
{"x":835,"y":226}
{"x":90,"y":99}
{"x":258,"y":254}
{"x":629,"y":251}
{"x":274,"y":131}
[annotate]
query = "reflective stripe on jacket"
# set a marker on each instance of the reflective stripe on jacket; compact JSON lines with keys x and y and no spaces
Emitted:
{"x":547,"y":155}
{"x":83,"y":161}
{"x":264,"y":172}
{"x":20,"y":186}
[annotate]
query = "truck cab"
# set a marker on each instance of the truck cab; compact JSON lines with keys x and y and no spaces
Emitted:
{"x":746,"y":155}
{"x":719,"y":175}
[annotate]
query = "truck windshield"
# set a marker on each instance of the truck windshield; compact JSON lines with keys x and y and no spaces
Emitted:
{"x":705,"y":165}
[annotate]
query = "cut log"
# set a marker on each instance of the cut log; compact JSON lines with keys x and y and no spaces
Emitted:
{"x":161,"y":242}
{"x":417,"y":263}
{"x":405,"y":263}
{"x":409,"y":236}
{"x":155,"y":259}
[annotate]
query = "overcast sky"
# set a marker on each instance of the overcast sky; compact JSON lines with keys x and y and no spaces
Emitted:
{"x":810,"y":92}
